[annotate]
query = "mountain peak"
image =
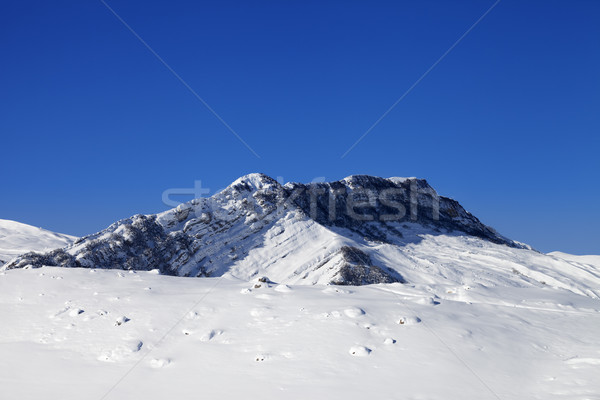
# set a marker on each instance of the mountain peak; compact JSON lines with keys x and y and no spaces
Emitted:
{"x":323,"y":232}
{"x":254,"y":181}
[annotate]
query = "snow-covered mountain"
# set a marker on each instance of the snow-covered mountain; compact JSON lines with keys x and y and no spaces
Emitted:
{"x":458,"y":311}
{"x":17,"y":238}
{"x":360,"y":230}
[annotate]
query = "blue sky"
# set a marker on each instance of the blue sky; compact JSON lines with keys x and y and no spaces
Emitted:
{"x":94,"y":127}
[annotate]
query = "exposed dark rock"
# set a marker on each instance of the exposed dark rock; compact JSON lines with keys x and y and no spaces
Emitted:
{"x":140,"y":244}
{"x":358,"y":270}
{"x":205,"y":237}
{"x":370,"y":205}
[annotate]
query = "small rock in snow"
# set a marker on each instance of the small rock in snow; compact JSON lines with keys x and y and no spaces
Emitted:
{"x":122,"y":320}
{"x":409,"y":320}
{"x":75,"y":312}
{"x":359,"y":351}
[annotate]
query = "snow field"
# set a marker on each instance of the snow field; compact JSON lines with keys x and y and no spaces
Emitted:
{"x":79,"y":336}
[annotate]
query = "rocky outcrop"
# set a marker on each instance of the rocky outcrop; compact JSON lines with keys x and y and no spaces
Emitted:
{"x":371,"y":205}
{"x":138,"y":243}
{"x":256,"y":216}
{"x":358,"y":270}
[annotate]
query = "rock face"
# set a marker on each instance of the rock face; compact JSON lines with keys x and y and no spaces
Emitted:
{"x":358,"y":269}
{"x":369,"y":205}
{"x":297,"y":232}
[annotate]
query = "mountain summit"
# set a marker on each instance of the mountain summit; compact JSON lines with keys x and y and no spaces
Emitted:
{"x":359,"y":230}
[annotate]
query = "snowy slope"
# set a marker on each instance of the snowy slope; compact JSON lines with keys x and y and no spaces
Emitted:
{"x":108,"y":334}
{"x":17,"y":238}
{"x":258,"y":227}
{"x":453,"y":310}
{"x":589,"y":259}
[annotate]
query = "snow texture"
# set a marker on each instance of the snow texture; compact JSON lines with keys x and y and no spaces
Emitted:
{"x":296,"y":304}
{"x":307,"y":234}
{"x":17,"y":238}
{"x":225,"y":338}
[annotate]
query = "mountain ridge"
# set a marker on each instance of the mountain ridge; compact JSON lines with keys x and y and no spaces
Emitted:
{"x":359,"y":230}
{"x":17,"y":238}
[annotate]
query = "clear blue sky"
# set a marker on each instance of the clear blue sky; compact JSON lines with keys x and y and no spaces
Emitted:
{"x":94,"y":128}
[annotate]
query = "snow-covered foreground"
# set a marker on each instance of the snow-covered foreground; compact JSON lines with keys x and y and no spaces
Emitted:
{"x":95,"y":334}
